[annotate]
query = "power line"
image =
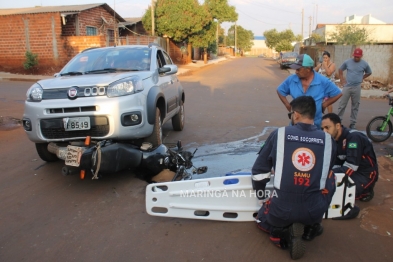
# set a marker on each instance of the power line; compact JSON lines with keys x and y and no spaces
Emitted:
{"x":257,"y":19}
{"x":274,"y":8}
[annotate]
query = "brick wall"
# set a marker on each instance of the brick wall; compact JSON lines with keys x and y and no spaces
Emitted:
{"x":379,"y":57}
{"x":34,"y":32}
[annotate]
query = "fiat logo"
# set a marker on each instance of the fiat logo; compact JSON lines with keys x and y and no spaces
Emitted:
{"x":72,"y":92}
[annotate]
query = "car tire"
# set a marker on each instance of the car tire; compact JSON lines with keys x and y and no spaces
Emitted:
{"x":281,"y":67}
{"x":42,"y":150}
{"x":178,"y":119}
{"x":156,"y":137}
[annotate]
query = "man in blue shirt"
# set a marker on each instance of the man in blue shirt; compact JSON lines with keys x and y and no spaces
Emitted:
{"x":307,"y":82}
{"x":357,"y":70}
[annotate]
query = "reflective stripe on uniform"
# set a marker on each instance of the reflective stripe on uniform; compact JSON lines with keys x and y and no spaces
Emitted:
{"x":260,"y":177}
{"x":327,"y":154}
{"x":351,"y":166}
{"x":279,"y":157}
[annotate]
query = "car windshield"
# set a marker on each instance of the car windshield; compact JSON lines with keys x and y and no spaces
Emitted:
{"x":290,"y":54}
{"x":109,"y":60}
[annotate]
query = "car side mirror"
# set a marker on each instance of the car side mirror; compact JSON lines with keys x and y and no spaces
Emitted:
{"x":56,"y":74}
{"x":163,"y":70}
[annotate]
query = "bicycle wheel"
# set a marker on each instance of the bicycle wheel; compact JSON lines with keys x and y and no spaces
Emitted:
{"x":374,"y":129}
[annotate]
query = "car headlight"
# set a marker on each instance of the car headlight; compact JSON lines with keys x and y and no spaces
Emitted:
{"x":125,"y":87}
{"x":34,"y":93}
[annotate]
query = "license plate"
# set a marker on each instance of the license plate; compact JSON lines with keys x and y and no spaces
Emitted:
{"x":76,"y":123}
{"x":73,"y":155}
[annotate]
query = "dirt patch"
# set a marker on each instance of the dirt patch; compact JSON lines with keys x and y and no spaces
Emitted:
{"x":9,"y":123}
{"x":378,"y":218}
{"x":38,"y":70}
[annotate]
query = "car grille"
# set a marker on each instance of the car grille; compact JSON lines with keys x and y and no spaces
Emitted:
{"x":72,"y":109}
{"x":53,"y":128}
{"x":82,"y":91}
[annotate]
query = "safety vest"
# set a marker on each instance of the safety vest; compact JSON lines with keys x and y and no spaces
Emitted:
{"x":303,"y":160}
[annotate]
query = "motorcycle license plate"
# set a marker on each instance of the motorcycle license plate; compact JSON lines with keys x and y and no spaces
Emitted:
{"x":76,"y":123}
{"x":73,"y":155}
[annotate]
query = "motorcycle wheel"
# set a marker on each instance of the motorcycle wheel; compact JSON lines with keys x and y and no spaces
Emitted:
{"x":374,"y":131}
{"x":42,"y":150}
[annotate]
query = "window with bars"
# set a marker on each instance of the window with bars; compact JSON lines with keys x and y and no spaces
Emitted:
{"x":91,"y":30}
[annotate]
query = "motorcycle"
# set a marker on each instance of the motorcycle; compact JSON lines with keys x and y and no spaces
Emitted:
{"x":107,"y":156}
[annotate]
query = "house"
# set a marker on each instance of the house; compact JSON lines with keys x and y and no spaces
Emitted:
{"x":259,"y":47}
{"x":58,"y":33}
{"x":379,"y":32}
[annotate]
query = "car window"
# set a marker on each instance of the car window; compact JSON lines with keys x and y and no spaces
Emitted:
{"x":290,"y":54}
{"x":136,"y":58}
{"x":160,"y":59}
{"x":168,"y":60}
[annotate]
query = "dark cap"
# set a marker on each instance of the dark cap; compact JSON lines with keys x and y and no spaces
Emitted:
{"x":302,"y":60}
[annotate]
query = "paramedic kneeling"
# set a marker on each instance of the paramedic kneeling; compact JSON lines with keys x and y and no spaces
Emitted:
{"x":355,"y":156}
{"x":302,"y":157}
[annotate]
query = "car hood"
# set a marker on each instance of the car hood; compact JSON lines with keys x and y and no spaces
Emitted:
{"x":89,"y":80}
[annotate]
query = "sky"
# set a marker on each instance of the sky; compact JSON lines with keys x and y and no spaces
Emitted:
{"x":255,"y":15}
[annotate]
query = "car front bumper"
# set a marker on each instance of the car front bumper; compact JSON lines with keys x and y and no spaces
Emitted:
{"x":121,"y":118}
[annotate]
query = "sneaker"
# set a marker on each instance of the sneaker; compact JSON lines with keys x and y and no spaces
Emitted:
{"x":310,"y":232}
{"x":297,"y":247}
{"x":352,"y":127}
{"x":368,"y":196}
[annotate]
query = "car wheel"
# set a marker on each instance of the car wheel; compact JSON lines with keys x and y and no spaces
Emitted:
{"x":178,"y":119}
{"x":42,"y":150}
{"x":156,"y":137}
{"x":281,"y":67}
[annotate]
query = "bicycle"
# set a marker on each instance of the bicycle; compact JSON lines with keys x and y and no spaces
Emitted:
{"x":380,"y":128}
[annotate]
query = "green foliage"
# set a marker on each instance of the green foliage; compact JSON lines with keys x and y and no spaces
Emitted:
{"x":31,"y":60}
{"x":244,"y":38}
{"x":350,"y":35}
{"x":317,"y":38}
{"x":205,"y":37}
{"x":177,"y":19}
{"x":220,"y":10}
{"x":280,"y":41}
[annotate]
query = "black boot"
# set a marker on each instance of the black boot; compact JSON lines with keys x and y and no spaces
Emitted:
{"x":297,"y":247}
{"x":368,"y":196}
{"x":310,"y":232}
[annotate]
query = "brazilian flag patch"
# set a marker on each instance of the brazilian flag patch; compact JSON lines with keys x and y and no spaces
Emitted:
{"x":353,"y":145}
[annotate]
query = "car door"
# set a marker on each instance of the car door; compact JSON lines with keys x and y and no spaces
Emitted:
{"x":168,"y":83}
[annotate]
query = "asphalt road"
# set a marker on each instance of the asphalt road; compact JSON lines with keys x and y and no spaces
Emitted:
{"x":45,"y":216}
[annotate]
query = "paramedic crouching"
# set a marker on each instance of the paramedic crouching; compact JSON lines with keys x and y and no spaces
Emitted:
{"x":302,"y":157}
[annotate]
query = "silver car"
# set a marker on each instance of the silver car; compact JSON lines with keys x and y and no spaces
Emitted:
{"x":123,"y":93}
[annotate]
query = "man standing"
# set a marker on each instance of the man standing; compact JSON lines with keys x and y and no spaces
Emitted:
{"x":302,"y":157}
{"x":306,"y":82}
{"x":357,"y":70}
{"x":355,"y":156}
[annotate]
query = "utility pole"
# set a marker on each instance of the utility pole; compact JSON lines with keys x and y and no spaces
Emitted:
{"x":302,"y":24}
{"x":217,"y":37}
{"x":316,"y":16}
{"x":114,"y":22}
{"x":152,"y":18}
{"x":235,"y":39}
{"x":309,"y":27}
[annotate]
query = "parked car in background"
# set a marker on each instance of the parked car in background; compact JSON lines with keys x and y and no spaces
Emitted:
{"x":286,"y":59}
{"x":123,"y":93}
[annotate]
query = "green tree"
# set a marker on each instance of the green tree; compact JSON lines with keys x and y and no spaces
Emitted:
{"x":350,"y":35}
{"x":177,"y":19}
{"x":221,"y":10}
{"x":243,"y":38}
{"x":280,"y":41}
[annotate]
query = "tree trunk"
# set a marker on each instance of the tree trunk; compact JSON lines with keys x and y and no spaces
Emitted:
{"x":205,"y":55}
